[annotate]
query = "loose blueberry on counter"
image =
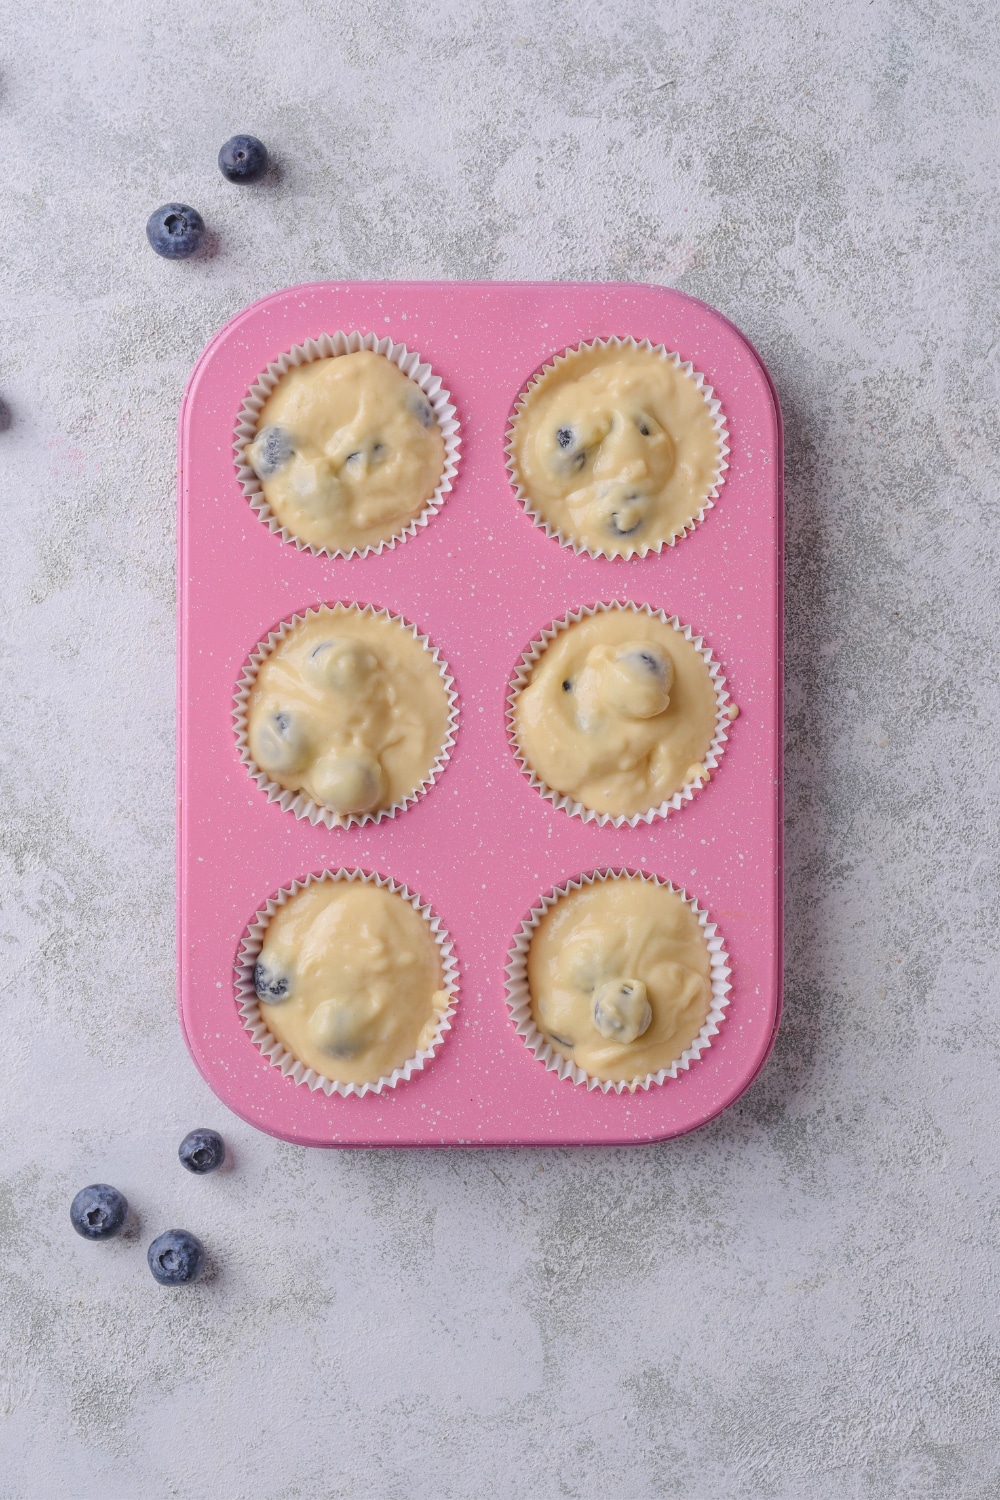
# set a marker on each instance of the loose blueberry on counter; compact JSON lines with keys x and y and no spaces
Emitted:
{"x":243,"y":159}
{"x":98,"y":1212}
{"x":175,"y":230}
{"x":202,"y":1151}
{"x":176,"y":1257}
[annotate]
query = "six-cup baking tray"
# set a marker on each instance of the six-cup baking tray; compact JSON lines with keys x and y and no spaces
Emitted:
{"x":481,"y":580}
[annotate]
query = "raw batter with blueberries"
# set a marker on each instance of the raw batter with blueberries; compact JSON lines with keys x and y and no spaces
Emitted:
{"x":349,"y":980}
{"x":620,"y":977}
{"x":619,"y":713}
{"x":348,"y":451}
{"x":351,"y":709}
{"x":616,"y":448}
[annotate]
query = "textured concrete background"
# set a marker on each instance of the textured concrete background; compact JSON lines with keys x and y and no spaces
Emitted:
{"x":800,"y":1300}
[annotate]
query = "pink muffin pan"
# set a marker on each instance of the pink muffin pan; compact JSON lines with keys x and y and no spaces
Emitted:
{"x":482,"y":581}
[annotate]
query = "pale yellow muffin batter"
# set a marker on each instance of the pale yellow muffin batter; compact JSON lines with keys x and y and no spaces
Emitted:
{"x":347,"y":451}
{"x":620,"y":978}
{"x":616,"y":448}
{"x":350,"y":709}
{"x":619,"y":713}
{"x":350,"y":980}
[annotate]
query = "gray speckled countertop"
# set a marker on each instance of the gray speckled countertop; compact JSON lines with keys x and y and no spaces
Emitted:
{"x":801,"y":1299}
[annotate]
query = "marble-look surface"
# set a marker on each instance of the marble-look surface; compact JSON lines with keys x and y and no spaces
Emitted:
{"x":801,"y":1299}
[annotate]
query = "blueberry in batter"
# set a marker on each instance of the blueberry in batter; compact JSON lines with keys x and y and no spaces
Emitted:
{"x":272,"y":450}
{"x":272,"y":982}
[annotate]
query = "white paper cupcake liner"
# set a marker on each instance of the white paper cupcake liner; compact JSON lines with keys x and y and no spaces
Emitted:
{"x":297,"y":802}
{"x":276,"y":1052}
{"x":686,"y":368}
{"x":324,"y":347}
{"x":519,"y":995}
{"x":724,"y":715}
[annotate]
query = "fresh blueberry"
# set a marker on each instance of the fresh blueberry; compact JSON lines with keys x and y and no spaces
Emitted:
{"x":176,"y":1257}
{"x":270,"y":983}
{"x":564,"y":437}
{"x":98,"y":1212}
{"x":175,"y":230}
{"x":272,"y":448}
{"x":243,"y":159}
{"x":202,"y":1151}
